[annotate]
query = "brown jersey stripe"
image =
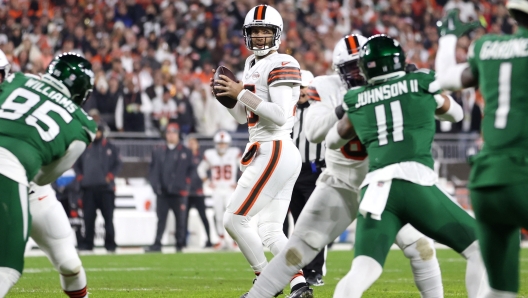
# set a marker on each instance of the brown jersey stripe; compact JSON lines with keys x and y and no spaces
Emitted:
{"x":293,"y":73}
{"x":313,"y":94}
{"x":284,"y":78}
{"x":352,"y":44}
{"x":257,"y":189}
{"x":280,"y":69}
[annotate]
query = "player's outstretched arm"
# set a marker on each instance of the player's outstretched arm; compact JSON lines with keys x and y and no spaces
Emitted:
{"x":319,"y":120}
{"x":49,"y":173}
{"x":342,"y":132}
{"x":449,"y":74}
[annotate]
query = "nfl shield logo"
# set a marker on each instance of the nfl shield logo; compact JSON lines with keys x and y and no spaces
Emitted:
{"x":380,"y":183}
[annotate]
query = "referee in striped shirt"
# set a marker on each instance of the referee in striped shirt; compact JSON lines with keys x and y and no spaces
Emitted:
{"x":312,"y":164}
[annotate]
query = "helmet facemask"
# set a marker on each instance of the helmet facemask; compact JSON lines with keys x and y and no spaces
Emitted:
{"x":269,"y":42}
{"x":221,"y":148}
{"x":349,"y":73}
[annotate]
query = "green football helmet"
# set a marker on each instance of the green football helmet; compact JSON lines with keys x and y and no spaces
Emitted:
{"x":381,"y":55}
{"x":75,"y":72}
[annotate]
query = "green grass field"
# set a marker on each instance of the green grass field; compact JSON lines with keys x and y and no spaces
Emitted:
{"x":206,"y":275}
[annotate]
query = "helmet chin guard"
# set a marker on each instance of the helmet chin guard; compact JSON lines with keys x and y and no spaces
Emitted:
{"x":267,"y":17}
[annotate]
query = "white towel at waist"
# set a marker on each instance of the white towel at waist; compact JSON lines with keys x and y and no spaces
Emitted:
{"x":379,"y":183}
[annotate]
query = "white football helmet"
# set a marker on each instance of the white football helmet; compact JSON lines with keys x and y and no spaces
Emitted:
{"x":5,"y":66}
{"x":263,"y":16}
{"x":346,"y":57}
{"x":222,"y":140}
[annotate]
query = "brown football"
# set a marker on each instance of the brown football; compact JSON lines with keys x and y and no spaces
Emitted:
{"x":226,"y":101}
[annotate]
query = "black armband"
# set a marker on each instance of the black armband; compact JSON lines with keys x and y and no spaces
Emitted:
{"x":339,"y":111}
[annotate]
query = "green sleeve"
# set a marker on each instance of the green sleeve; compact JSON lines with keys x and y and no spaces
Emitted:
{"x":89,"y":126}
{"x":427,"y":81}
{"x":350,"y":100}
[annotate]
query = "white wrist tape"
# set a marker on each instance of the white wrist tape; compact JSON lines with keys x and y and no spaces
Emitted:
{"x":454,"y":114}
{"x":249,"y":99}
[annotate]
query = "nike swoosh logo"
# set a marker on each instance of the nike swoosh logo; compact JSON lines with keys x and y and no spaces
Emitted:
{"x":284,"y":63}
{"x":42,"y":198}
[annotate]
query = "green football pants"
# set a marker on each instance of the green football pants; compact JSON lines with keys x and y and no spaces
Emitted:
{"x":15,"y":222}
{"x":426,"y":208}
{"x":501,"y":211}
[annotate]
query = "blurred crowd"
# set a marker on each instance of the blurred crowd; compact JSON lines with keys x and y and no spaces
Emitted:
{"x":153,"y":58}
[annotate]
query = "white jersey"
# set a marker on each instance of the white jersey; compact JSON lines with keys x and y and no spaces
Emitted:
{"x":350,"y":162}
{"x":224,"y":168}
{"x":258,"y":77}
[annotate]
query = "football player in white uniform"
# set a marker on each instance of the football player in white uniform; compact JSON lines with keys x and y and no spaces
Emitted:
{"x":267,"y":98}
{"x":222,"y":161}
{"x":333,"y":205}
{"x":51,"y":230}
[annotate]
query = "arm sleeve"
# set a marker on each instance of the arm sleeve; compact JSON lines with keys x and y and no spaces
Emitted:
{"x":202,"y":169}
{"x":239,"y":112}
{"x":319,"y":120}
{"x":52,"y":171}
{"x":275,"y":111}
{"x":448,"y":72}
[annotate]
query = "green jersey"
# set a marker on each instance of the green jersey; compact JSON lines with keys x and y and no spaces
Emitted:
{"x":501,"y":65}
{"x":38,"y":122}
{"x":395,"y":119}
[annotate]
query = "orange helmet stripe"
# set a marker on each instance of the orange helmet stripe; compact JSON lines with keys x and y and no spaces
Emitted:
{"x":260,"y":12}
{"x":352,"y":44}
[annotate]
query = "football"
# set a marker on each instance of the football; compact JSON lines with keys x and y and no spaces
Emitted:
{"x":226,"y":101}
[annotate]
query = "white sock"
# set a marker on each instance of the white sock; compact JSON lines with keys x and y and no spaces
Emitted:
{"x":8,"y":278}
{"x":425,"y":268}
{"x":499,"y":294}
{"x":282,"y":268}
{"x":476,"y":277}
{"x":74,"y":285}
{"x":364,"y":272}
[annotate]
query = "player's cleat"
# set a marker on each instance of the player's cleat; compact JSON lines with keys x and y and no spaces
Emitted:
{"x":208,"y":244}
{"x":153,"y":248}
{"x":315,"y":280}
{"x":304,"y":292}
